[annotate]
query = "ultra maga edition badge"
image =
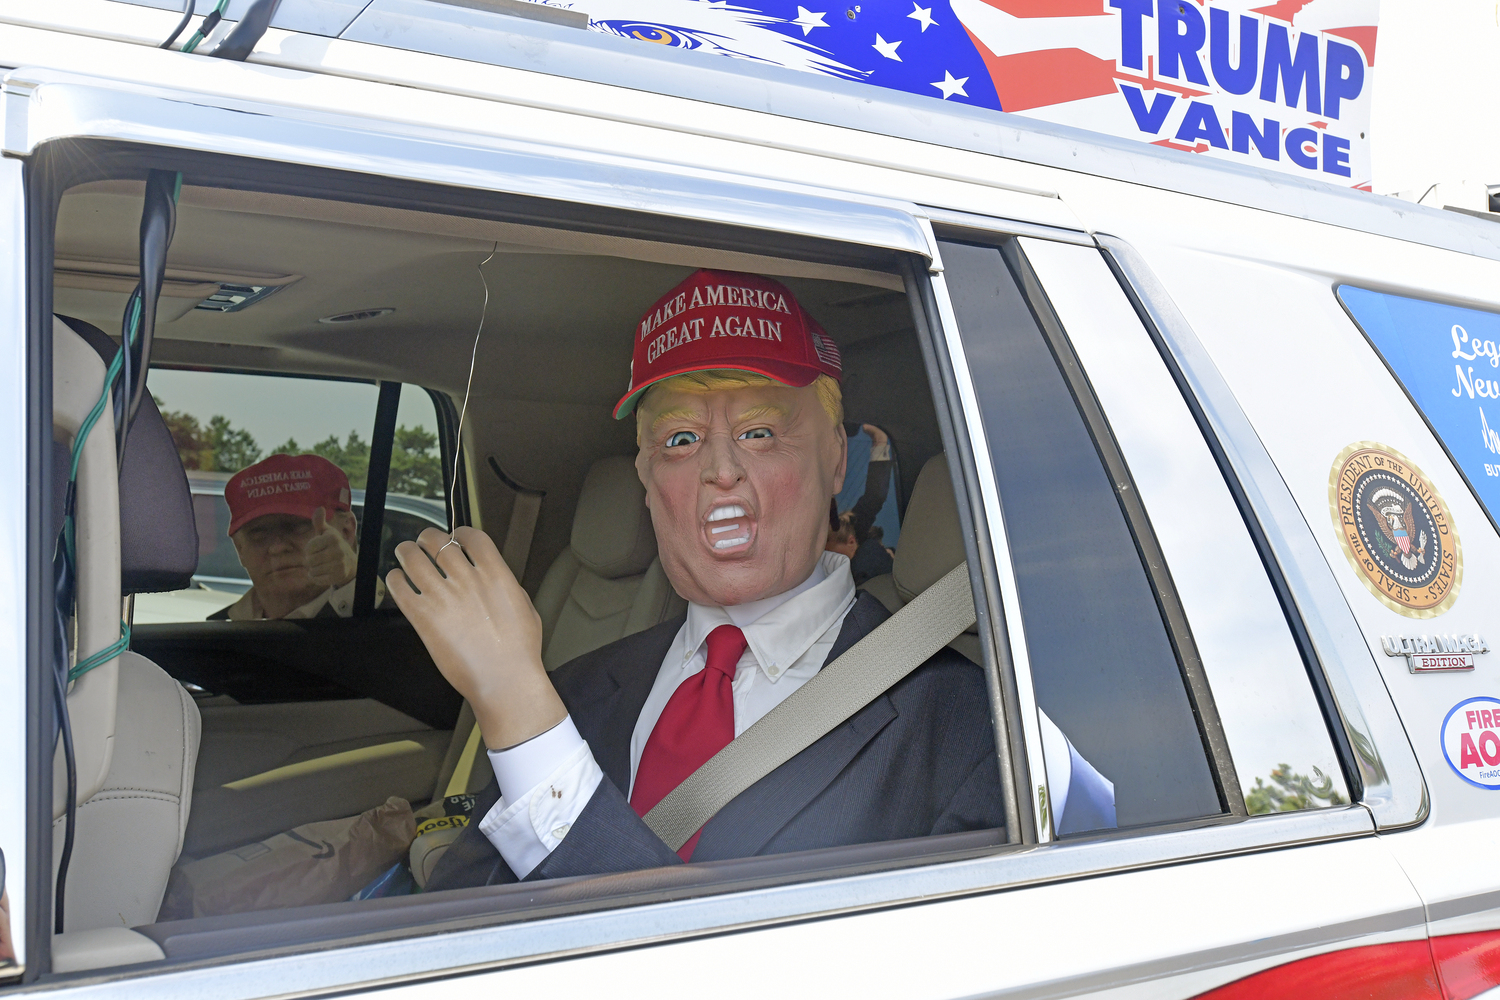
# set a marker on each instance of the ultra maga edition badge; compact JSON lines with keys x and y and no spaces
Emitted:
{"x":1396,"y":530}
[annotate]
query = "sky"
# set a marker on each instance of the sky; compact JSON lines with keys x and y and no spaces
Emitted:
{"x":1436,"y":99}
{"x":273,"y":408}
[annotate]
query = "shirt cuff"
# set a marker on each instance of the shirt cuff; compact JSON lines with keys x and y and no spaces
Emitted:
{"x":544,"y":784}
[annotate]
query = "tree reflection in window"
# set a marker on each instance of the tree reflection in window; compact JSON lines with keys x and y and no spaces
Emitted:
{"x":1291,"y":792}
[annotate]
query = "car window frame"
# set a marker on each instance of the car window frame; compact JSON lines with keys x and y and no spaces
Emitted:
{"x":1153,"y":563}
{"x":1379,"y":762}
{"x":859,"y":860}
{"x":390,"y":956}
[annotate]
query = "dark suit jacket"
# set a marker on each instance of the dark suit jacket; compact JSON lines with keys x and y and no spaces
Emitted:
{"x":918,"y":760}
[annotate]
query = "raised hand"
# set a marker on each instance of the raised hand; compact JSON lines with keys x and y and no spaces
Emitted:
{"x":331,"y":561}
{"x":481,"y":629}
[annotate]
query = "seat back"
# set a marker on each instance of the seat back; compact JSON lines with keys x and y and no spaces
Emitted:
{"x":606,"y":585}
{"x":931,"y":544}
{"x":130,"y":824}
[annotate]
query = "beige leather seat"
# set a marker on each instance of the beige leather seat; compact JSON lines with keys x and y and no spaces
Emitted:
{"x":135,"y":729}
{"x":130,"y":831}
{"x":931,"y":544}
{"x":608,"y":583}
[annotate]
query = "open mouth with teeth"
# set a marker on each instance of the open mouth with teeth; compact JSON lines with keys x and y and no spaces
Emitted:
{"x":729,"y":528}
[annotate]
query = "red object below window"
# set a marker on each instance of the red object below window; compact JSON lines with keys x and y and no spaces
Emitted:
{"x":1468,"y":964}
{"x":1399,"y":971}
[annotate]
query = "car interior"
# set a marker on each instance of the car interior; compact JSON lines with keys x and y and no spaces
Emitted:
{"x":324,"y":718}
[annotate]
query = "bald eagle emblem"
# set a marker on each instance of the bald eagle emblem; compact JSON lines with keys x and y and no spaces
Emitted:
{"x":1395,"y":529}
{"x":1393,"y":514}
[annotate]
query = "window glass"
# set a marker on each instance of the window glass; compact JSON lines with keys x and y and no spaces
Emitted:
{"x":1102,"y":662}
{"x":224,"y":422}
{"x":1446,"y":359}
{"x":1278,"y":740}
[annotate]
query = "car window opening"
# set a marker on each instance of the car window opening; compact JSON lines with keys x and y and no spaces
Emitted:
{"x":329,"y":731}
{"x":340,"y":730}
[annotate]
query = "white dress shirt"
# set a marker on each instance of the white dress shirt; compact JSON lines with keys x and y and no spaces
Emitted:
{"x":546,"y":782}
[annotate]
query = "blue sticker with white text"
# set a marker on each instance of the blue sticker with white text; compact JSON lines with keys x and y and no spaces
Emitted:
{"x":1447,"y":359}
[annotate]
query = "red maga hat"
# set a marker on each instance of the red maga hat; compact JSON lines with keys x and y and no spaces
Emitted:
{"x":285,"y":484}
{"x":727,"y":319}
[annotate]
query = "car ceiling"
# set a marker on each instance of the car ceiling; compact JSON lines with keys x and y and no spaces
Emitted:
{"x":555,"y":350}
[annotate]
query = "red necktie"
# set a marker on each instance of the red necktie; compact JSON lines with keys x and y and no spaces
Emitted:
{"x":697,"y":723}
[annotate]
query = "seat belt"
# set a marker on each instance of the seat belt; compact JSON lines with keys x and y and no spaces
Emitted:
{"x":518,"y":534}
{"x":867,"y":670}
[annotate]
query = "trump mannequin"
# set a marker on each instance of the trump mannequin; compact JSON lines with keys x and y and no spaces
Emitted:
{"x":735,"y":391}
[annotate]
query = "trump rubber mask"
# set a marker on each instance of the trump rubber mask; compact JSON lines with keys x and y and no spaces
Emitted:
{"x":727,"y":319}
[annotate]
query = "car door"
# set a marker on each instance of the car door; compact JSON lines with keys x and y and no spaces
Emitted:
{"x":1169,"y":897}
{"x":1262,"y":690}
{"x":1404,"y":326}
{"x":1135,"y":608}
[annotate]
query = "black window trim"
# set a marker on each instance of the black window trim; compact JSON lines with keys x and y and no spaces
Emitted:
{"x":1200,"y":695}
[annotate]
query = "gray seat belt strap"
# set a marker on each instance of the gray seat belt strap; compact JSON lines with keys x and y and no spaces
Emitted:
{"x":867,"y":670}
{"x":522,"y":527}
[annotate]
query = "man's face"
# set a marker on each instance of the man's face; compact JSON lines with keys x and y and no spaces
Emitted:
{"x":272,"y":549}
{"x":738,"y":482}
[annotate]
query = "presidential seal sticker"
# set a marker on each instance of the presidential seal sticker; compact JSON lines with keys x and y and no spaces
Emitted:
{"x":1471,"y":741}
{"x":1396,"y":530}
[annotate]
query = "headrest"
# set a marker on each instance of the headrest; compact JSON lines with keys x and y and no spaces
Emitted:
{"x":931,"y":542}
{"x":612,"y":534}
{"x":158,"y":538}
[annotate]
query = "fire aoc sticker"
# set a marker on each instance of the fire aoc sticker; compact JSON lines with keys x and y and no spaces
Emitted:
{"x":1396,"y":530}
{"x":1471,"y":741}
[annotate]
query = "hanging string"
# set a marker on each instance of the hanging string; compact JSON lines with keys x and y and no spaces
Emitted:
{"x":458,"y":444}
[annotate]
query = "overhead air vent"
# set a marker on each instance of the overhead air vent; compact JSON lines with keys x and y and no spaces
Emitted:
{"x":232,"y":297}
{"x":357,"y":315}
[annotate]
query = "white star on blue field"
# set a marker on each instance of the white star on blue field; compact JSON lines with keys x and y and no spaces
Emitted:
{"x":919,"y":47}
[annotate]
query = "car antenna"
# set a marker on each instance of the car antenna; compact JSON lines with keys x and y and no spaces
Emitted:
{"x":458,"y":442}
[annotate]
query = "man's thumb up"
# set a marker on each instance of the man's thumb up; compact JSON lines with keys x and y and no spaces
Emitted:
{"x":330,"y":559}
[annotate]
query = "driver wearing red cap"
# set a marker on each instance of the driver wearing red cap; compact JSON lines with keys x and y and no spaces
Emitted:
{"x":735,"y":390}
{"x":292,"y":524}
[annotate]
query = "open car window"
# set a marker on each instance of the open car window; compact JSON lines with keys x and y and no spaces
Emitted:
{"x":333,"y":736}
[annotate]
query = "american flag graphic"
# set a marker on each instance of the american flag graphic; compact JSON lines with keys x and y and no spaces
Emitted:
{"x":1284,"y":85}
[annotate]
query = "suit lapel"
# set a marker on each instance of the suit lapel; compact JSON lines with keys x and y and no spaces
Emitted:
{"x":745,"y":825}
{"x":605,"y":694}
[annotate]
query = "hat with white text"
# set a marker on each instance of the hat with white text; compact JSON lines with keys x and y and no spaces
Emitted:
{"x":727,"y":319}
{"x":285,"y":484}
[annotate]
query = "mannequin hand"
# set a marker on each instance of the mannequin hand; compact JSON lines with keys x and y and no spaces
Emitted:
{"x":880,"y":451}
{"x":330,"y":559}
{"x":481,"y":630}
